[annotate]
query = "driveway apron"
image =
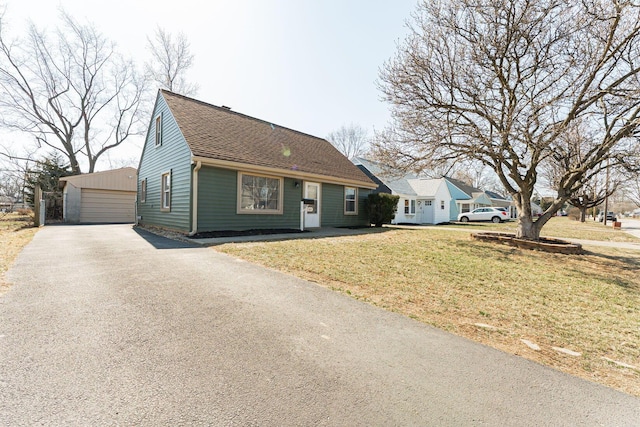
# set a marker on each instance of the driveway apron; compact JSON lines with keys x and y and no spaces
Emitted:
{"x":106,"y":325}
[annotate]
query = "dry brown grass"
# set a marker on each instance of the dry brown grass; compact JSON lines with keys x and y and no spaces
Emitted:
{"x":563,"y":227}
{"x":16,"y":230}
{"x":587,"y":303}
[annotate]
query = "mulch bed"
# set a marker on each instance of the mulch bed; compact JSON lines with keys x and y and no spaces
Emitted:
{"x":237,"y":233}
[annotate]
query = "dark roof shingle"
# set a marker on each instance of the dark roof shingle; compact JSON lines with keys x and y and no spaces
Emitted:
{"x":463,"y":186}
{"x":219,"y":133}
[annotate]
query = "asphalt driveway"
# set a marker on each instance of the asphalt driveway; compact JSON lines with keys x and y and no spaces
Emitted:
{"x":109,"y":326}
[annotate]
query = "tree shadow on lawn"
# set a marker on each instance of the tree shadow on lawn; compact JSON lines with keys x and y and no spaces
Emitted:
{"x":617,"y":262}
{"x":605,"y":265}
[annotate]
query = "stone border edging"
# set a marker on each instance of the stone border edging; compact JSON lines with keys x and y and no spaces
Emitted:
{"x":544,"y":244}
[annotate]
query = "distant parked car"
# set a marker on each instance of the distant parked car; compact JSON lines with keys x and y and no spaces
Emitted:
{"x":484,"y":214}
{"x":610,"y":217}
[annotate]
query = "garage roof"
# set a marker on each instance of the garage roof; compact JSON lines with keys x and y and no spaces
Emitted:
{"x":123,"y":179}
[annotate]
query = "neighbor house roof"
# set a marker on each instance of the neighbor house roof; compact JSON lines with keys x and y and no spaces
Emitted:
{"x":464,"y":187}
{"x":398,"y":184}
{"x":223,"y":135}
{"x":425,"y":187}
{"x":494,"y":195}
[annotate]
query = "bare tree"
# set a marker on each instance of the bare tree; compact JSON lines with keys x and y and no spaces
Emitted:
{"x":501,"y":82}
{"x":13,"y":174}
{"x":11,"y":183}
{"x":591,"y":195}
{"x":631,"y":189}
{"x":170,"y":59}
{"x":352,"y":140}
{"x":70,"y":90}
{"x":478,"y":175}
{"x":593,"y":191}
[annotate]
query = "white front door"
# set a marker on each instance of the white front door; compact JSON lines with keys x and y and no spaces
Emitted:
{"x":425,"y":207}
{"x":312,"y":213}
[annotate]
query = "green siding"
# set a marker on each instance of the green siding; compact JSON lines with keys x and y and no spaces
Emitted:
{"x":332,"y":214}
{"x":174,"y":156}
{"x":217,"y":204}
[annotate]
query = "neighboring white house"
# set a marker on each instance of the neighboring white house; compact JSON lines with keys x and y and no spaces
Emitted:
{"x":422,"y":201}
{"x":433,"y":200}
{"x":100,"y":197}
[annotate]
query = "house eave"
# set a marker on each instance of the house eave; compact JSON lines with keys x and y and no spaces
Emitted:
{"x":226,"y":164}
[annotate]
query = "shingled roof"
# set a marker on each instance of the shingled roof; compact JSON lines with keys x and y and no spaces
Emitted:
{"x":219,"y":133}
{"x":397,"y":183}
{"x":463,"y":186}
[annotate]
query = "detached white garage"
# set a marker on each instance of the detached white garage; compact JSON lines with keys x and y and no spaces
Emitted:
{"x":100,"y":197}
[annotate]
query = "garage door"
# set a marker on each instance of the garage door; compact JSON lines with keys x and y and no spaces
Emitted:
{"x":107,"y":206}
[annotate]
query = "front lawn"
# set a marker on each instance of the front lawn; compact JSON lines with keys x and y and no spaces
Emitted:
{"x":497,"y":295}
{"x":562,"y":227}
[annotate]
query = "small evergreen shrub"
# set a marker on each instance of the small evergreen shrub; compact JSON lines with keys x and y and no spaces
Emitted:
{"x":381,"y":208}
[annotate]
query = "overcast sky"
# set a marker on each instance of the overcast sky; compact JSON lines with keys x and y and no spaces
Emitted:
{"x":309,"y":65}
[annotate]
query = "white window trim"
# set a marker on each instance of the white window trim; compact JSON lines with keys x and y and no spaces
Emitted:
{"x":143,"y":190}
{"x":158,"y":130}
{"x":354,"y":212}
{"x":409,"y":207}
{"x":241,"y":211}
{"x":163,"y":190}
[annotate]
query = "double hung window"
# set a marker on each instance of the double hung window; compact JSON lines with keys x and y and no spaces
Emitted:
{"x":350,"y":201}
{"x":143,"y":190}
{"x":165,"y":192}
{"x":158,"y":133}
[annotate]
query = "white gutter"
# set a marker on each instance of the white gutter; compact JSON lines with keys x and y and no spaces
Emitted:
{"x":194,"y":212}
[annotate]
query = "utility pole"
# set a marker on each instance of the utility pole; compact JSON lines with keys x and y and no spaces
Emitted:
{"x":606,"y":199}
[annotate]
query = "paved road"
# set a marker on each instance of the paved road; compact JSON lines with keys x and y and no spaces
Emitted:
{"x":631,"y":226}
{"x":106,"y":326}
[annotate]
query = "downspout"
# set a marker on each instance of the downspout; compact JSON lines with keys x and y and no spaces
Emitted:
{"x":194,"y":212}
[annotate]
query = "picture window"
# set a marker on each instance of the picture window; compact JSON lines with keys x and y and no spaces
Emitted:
{"x":259,"y":194}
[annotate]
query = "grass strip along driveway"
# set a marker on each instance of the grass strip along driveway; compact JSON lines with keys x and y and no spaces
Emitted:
{"x":15,"y":232}
{"x":577,"y":313}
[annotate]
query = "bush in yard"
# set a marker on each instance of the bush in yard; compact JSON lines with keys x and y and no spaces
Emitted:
{"x":381,"y":208}
{"x":574,"y":214}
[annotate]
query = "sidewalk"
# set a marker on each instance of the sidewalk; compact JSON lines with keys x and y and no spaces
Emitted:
{"x":629,"y":226}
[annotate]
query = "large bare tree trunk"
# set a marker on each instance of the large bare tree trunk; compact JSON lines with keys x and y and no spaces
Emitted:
{"x":527,"y":228}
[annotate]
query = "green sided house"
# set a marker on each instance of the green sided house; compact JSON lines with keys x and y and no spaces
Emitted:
{"x":208,"y":168}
